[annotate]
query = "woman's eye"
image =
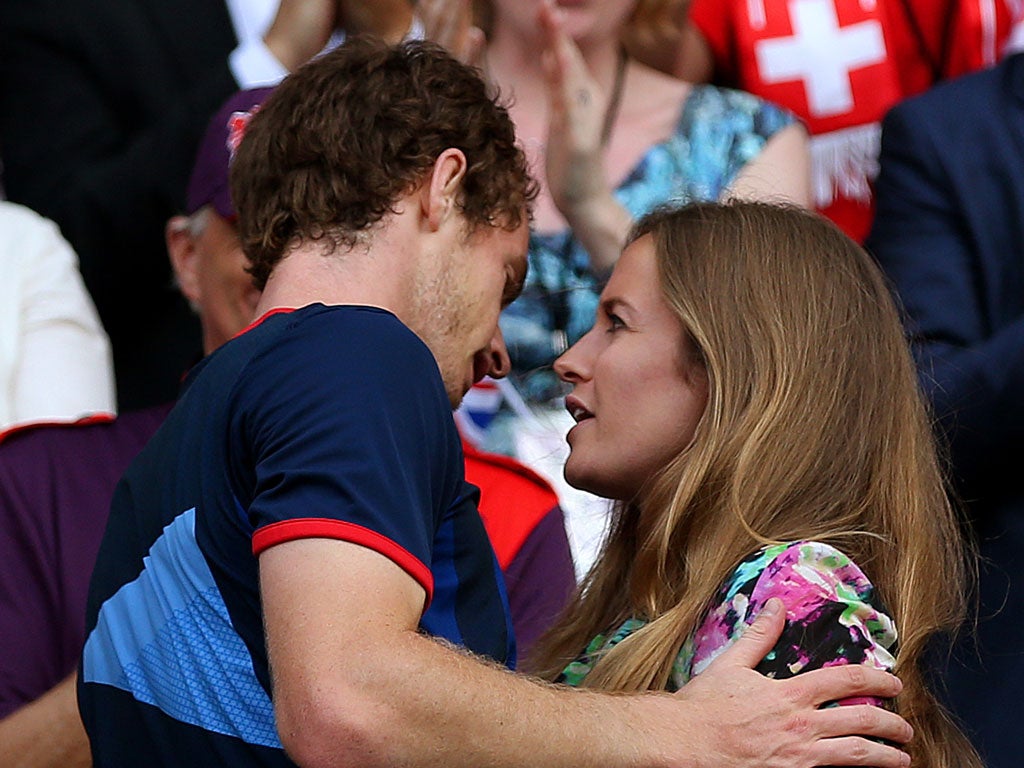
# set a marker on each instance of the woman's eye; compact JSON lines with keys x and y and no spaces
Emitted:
{"x":615,"y":323}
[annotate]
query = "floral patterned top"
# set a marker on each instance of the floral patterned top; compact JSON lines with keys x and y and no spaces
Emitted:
{"x":832,"y":617}
{"x":718,"y":132}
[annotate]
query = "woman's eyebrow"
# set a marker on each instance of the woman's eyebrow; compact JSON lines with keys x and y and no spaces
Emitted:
{"x":614,"y":302}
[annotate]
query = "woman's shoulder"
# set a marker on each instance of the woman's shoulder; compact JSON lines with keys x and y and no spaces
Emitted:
{"x":709,"y":102}
{"x":810,"y":566}
{"x":833,"y":614}
{"x":780,"y":567}
{"x":651,"y":102}
{"x":803,"y":574}
{"x":644,"y":82}
{"x":715,"y":133}
{"x":648,"y":88}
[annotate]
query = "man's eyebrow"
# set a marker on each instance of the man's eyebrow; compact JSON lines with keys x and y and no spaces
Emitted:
{"x":514,"y":285}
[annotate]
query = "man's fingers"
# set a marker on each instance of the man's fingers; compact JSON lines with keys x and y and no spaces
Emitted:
{"x":553,"y":78}
{"x":758,"y":639}
{"x":819,"y":686}
{"x":864,"y":720}
{"x":556,"y":40}
{"x":476,"y":43}
{"x":437,"y":21}
{"x":853,"y":750}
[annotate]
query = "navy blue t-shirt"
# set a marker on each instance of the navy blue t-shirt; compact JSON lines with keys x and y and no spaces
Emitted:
{"x":322,"y":422}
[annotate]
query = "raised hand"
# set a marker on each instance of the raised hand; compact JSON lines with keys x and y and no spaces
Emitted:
{"x":449,"y":23}
{"x":300,"y":30}
{"x":577,"y":134}
{"x":388,"y":19}
{"x":574,"y":164}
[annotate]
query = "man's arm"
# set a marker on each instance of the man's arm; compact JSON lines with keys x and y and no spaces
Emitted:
{"x":47,"y":733}
{"x":355,"y":683}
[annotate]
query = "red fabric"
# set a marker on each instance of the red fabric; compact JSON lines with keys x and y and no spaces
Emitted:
{"x":875,"y":52}
{"x":873,"y":78}
{"x":327,"y":528}
{"x":513,"y":500}
{"x":966,"y":35}
{"x":93,"y":418}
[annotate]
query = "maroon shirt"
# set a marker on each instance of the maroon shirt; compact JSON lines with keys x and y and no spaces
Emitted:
{"x":56,"y":483}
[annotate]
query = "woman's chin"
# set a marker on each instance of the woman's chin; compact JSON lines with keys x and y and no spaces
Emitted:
{"x":589,"y":480}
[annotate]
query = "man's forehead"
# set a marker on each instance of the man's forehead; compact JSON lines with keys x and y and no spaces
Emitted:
{"x":516,"y":261}
{"x":520,"y":236}
{"x":518,"y":246}
{"x":513,"y":242}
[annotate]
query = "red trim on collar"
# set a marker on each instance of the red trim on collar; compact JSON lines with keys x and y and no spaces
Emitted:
{"x":264,"y":316}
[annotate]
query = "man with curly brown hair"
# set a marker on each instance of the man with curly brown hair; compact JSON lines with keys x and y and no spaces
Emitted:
{"x":292,"y":560}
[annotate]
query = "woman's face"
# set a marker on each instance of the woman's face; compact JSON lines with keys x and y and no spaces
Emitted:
{"x":638,"y":389}
{"x":586,"y":21}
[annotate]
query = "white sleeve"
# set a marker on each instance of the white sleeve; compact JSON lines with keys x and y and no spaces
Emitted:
{"x":56,"y":360}
{"x":254,"y":66}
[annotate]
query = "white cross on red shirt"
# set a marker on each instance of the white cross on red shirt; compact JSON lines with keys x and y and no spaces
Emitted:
{"x":821,"y":54}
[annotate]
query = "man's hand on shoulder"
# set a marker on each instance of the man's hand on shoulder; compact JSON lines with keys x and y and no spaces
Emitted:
{"x":741,"y":718}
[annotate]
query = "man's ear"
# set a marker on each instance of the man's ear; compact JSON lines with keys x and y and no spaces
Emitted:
{"x":181,"y":249}
{"x":441,"y":189}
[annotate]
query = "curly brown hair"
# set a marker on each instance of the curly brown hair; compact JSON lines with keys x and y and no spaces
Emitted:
{"x":341,"y":140}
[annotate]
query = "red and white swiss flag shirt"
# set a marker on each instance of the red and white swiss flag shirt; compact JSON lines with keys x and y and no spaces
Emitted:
{"x":841,"y":64}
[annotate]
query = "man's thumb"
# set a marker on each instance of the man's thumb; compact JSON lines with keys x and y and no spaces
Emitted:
{"x":759,"y":638}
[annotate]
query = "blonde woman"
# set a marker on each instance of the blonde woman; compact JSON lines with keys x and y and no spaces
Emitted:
{"x":747,"y":398}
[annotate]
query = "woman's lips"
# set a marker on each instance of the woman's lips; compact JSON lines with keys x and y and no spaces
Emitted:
{"x":577,"y":409}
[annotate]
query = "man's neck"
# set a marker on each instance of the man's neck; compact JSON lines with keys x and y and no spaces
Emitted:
{"x":310,"y":274}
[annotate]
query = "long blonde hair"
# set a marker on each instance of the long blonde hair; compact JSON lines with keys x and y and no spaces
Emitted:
{"x":815,"y":429}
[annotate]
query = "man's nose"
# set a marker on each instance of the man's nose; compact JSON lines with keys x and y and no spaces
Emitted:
{"x":500,"y":363}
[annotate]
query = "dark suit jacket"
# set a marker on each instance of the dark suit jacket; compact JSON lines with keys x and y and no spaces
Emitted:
{"x":950,"y":233}
{"x":102,"y":105}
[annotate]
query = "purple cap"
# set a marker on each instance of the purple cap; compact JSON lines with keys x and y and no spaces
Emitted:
{"x":209,"y":182}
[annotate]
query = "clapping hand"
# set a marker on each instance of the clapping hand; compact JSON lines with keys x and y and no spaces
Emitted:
{"x":449,"y":23}
{"x":578,"y":132}
{"x":388,"y":19}
{"x":574,"y":164}
{"x":300,"y":30}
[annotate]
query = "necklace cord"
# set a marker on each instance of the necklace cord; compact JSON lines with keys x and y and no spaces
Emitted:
{"x":611,"y":112}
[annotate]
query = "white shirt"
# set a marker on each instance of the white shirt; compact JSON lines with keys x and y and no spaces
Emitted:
{"x":55,"y":360}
